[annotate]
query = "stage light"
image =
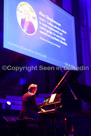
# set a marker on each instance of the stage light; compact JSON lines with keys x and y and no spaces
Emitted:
{"x":8,"y":105}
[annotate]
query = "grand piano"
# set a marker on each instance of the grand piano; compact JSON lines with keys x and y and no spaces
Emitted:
{"x":66,"y":101}
{"x":66,"y":106}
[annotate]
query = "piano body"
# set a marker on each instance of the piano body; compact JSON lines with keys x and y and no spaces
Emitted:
{"x":64,"y":104}
{"x":64,"y":109}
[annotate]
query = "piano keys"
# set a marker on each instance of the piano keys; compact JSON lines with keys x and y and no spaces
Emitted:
{"x":51,"y":102}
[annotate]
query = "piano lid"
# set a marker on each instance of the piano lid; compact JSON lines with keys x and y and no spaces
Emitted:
{"x":68,"y":75}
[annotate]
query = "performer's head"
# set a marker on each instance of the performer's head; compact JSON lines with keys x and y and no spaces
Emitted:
{"x":32,"y":88}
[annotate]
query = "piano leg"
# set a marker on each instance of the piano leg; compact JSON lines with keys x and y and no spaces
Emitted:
{"x":68,"y":127}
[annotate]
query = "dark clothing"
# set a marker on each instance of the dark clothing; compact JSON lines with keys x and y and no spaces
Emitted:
{"x":29,"y":29}
{"x":29,"y":106}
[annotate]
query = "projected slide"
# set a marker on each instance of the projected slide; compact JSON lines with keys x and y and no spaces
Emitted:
{"x":40,"y":29}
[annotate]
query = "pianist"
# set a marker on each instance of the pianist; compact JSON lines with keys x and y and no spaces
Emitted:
{"x":29,"y":106}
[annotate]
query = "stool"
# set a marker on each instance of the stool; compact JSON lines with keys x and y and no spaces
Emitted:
{"x":27,"y":127}
{"x":9,"y":125}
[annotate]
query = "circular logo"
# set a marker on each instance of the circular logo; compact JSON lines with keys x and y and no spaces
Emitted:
{"x":27,"y":18}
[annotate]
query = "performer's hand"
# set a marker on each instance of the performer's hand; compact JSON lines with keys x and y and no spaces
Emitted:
{"x":42,"y":111}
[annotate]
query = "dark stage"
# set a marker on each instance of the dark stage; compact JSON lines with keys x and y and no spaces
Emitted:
{"x":45,"y":68}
